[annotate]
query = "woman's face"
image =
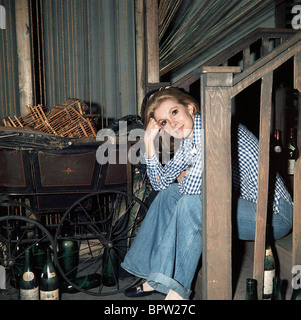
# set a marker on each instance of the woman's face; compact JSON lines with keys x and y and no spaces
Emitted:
{"x":176,"y":119}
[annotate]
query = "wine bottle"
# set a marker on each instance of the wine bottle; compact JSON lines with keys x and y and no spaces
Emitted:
{"x":69,"y":256}
{"x":86,"y":282}
{"x":296,"y":294}
{"x":277,"y":144}
{"x":38,"y":253}
{"x":292,"y":153}
{"x":29,"y":287}
{"x":269,"y":268}
{"x":276,"y":295}
{"x":251,"y":289}
{"x":17,"y":249}
{"x":110,"y":267}
{"x":49,"y":283}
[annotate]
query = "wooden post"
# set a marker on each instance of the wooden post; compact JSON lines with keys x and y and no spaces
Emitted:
{"x":263,"y":180}
{"x":152,"y":36}
{"x":296,"y":258}
{"x":140,"y":52}
{"x":297,"y":86}
{"x":24,"y":54}
{"x":216,"y":89}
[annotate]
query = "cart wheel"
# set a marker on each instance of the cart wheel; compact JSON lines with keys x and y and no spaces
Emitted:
{"x":93,"y":237}
{"x":16,"y":234}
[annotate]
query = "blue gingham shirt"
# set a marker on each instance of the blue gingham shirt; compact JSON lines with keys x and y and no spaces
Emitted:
{"x":188,"y":157}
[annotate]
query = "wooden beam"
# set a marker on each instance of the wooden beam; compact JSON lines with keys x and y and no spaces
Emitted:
{"x":297,"y":215}
{"x":263,"y":180}
{"x":152,"y":37}
{"x":297,"y":176}
{"x":24,"y":54}
{"x":140,"y":53}
{"x":217,"y":180}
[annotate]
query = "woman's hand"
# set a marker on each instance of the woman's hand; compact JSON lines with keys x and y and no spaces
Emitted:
{"x":181,"y":176}
{"x":151,"y":132}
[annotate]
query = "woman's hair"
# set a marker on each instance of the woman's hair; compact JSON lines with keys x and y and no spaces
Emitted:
{"x":154,"y":100}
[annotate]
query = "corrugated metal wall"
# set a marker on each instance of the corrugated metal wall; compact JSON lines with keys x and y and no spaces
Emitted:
{"x":82,"y":49}
{"x":9,"y":85}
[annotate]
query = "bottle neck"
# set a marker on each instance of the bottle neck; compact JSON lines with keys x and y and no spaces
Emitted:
{"x":27,"y":260}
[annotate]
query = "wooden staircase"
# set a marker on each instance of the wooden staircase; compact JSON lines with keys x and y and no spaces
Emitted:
{"x":220,"y":82}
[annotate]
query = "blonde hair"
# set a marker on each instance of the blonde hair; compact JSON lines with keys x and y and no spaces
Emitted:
{"x":160,"y":96}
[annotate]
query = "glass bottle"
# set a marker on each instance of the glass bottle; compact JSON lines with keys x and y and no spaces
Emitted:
{"x":17,"y":251}
{"x":277,"y":144}
{"x":292,"y":153}
{"x":86,"y":282}
{"x":110,"y":267}
{"x":277,"y":289}
{"x":29,"y":287}
{"x":38,"y":253}
{"x":251,"y":289}
{"x":49,"y":283}
{"x":296,"y":294}
{"x":68,"y":256}
{"x":269,"y":268}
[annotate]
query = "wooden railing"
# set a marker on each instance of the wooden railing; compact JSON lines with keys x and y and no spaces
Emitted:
{"x":219,"y":84}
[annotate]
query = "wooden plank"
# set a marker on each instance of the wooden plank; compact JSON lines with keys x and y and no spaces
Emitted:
{"x":296,"y":258}
{"x":240,"y":45}
{"x":216,"y":188}
{"x":152,"y":36}
{"x":218,"y":69}
{"x":24,"y":54}
{"x":263,"y":180}
{"x":140,"y":53}
{"x":266,"y":64}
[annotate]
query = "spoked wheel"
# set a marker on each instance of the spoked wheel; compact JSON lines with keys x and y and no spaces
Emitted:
{"x":93,"y":237}
{"x":16,"y":234}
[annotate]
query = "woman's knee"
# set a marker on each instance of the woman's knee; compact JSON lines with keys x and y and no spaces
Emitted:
{"x":190,"y":207}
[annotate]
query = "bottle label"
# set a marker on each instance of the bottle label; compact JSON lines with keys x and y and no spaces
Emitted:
{"x":291,"y":166}
{"x":28,"y":276}
{"x":291,"y":147}
{"x":268,"y":282}
{"x":49,"y":295}
{"x":277,"y":149}
{"x":31,"y":294}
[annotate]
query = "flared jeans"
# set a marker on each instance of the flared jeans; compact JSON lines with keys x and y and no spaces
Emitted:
{"x":167,"y":249}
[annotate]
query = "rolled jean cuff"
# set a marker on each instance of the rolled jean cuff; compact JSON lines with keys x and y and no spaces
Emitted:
{"x":135,"y":273}
{"x":163,"y":284}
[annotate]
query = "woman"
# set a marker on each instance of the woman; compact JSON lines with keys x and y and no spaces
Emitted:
{"x":168,"y":246}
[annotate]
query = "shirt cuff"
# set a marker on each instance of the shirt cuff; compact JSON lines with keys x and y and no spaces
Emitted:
{"x":153,"y":161}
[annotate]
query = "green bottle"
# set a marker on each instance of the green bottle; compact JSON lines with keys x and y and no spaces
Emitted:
{"x":86,"y":282}
{"x":49,"y":283}
{"x":16,"y":249}
{"x":276,"y":289}
{"x":110,"y":267}
{"x":269,"y":268}
{"x":69,"y":257}
{"x":296,"y":294}
{"x":38,"y":253}
{"x":251,"y":289}
{"x":29,"y":287}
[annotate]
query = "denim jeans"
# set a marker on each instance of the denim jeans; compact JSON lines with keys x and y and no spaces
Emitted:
{"x":168,"y":246}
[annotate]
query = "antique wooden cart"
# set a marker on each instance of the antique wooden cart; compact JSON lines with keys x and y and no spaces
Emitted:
{"x":53,"y":191}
